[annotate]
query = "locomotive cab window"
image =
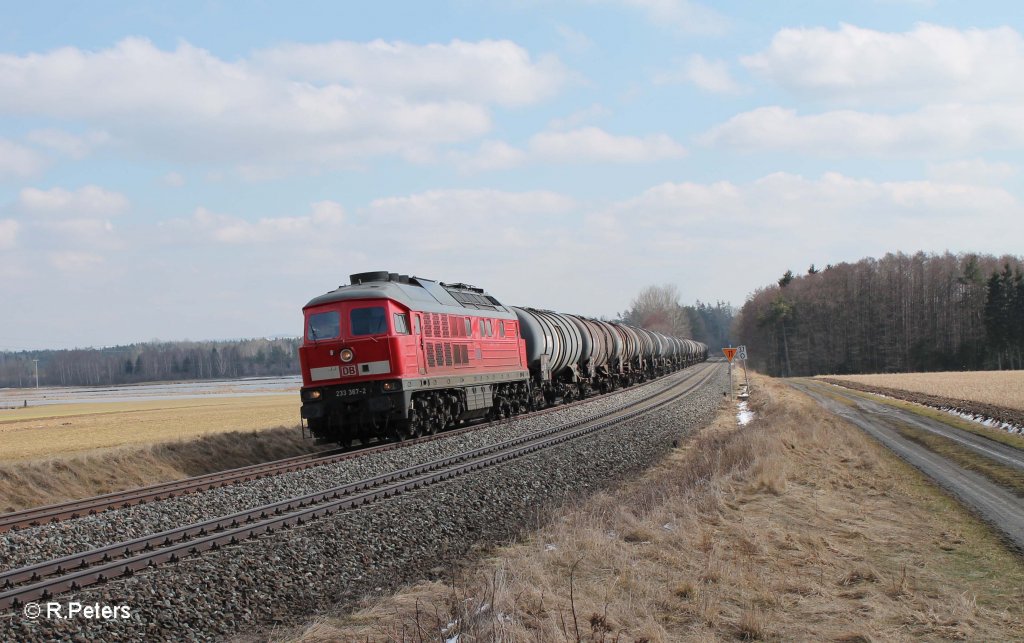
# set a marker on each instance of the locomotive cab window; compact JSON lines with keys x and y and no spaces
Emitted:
{"x":416,"y":325}
{"x":490,"y":329}
{"x":469,"y":327}
{"x":324,"y":325}
{"x":401,"y":324}
{"x":501,"y":329}
{"x":369,"y":321}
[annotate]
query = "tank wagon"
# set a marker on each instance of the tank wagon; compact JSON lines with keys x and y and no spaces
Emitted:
{"x":391,"y":356}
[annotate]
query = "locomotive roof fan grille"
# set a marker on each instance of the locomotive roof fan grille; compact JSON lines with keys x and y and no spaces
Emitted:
{"x":377,"y":275}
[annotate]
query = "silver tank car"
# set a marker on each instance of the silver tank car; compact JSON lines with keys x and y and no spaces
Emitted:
{"x":570,"y":355}
{"x":554,"y":344}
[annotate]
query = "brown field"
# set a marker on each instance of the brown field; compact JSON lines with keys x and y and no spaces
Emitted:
{"x":795,"y":527}
{"x":71,"y":429}
{"x":1001,"y":388}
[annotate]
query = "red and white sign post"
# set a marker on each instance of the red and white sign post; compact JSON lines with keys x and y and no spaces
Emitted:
{"x":729,"y":354}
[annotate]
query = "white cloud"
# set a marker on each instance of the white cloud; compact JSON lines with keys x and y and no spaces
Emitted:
{"x":782,"y":220}
{"x":709,"y":75}
{"x":8,"y":233}
{"x":509,"y":242}
{"x":592,"y":144}
{"x":973,"y":171}
{"x":580,"y":145}
{"x":75,"y":146}
{"x":584,"y":116}
{"x":325,"y":217}
{"x":18,"y":161}
{"x":173,"y":180}
{"x":491,"y":155}
{"x":788,"y":201}
{"x":309,"y":103}
{"x":480,"y":204}
{"x":488,"y":71}
{"x":75,"y":262}
{"x":574,"y":41}
{"x":933,"y":130}
{"x":682,"y":15}
{"x":927,"y":64}
{"x":89,"y":200}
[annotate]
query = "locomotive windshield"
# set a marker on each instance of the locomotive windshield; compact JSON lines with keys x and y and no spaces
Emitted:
{"x":369,"y":321}
{"x":324,"y":325}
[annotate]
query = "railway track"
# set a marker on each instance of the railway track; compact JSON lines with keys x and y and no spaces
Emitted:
{"x":36,"y":516}
{"x":71,"y":573}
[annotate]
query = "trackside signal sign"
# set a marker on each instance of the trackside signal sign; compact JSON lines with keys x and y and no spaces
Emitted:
{"x":729,"y":353}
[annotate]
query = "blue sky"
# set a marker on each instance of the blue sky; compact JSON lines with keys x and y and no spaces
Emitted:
{"x":201,"y":170}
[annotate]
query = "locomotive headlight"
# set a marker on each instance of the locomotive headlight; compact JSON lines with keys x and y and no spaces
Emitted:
{"x":311,"y":395}
{"x":346,"y":354}
{"x":389,"y":386}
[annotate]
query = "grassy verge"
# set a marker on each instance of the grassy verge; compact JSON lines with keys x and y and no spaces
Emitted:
{"x":795,"y":527}
{"x":1006,"y":476}
{"x":997,"y":435}
{"x":33,"y":483}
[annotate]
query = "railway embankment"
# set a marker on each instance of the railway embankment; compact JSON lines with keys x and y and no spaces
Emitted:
{"x":286,"y":574}
{"x":61,"y":477}
{"x":794,"y":526}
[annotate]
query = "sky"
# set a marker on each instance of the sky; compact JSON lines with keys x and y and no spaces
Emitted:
{"x":200,"y":170}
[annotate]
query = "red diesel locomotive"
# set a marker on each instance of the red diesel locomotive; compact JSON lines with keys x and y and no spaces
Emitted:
{"x":392,"y":356}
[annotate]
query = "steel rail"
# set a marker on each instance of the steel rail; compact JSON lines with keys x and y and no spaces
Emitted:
{"x":36,"y":516}
{"x":73,"y":572}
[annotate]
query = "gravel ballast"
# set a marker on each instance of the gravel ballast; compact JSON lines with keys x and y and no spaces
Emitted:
{"x":46,"y":542}
{"x":333,"y":562}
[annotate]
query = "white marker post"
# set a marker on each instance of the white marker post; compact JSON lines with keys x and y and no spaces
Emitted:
{"x":742,"y":354}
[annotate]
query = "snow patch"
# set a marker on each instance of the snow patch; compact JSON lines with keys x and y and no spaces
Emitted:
{"x":743,"y":414}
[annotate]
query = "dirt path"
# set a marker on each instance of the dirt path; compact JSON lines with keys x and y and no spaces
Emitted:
{"x":975,"y":408}
{"x":996,"y":504}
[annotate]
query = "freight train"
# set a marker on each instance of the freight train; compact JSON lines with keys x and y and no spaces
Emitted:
{"x":392,"y":357}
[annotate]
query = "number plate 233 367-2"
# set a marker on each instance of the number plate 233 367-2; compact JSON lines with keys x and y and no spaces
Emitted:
{"x":351,"y":392}
{"x":349,"y":370}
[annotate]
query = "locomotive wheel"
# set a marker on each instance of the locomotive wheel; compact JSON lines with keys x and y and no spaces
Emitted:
{"x":401,"y":432}
{"x":415,"y":425}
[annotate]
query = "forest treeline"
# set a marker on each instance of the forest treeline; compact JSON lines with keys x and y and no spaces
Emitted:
{"x":900,"y":313}
{"x":151,"y":362}
{"x":658,"y":308}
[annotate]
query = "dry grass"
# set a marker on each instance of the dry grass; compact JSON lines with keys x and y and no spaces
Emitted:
{"x":796,"y":527}
{"x":40,"y":482}
{"x":1001,"y":388}
{"x":71,"y":429}
{"x":1007,"y":476}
